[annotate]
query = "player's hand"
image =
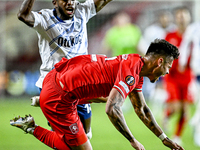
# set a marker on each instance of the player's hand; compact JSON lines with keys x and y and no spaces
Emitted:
{"x":137,"y":145}
{"x":169,"y":143}
{"x":35,"y":101}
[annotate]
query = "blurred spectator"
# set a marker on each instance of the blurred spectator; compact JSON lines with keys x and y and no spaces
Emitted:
{"x":192,"y":37}
{"x":157,"y":30}
{"x":15,"y":85}
{"x":178,"y":83}
{"x":123,"y":37}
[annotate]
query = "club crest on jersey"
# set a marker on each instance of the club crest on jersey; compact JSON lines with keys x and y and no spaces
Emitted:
{"x":39,"y":12}
{"x":130,"y":80}
{"x":74,"y":128}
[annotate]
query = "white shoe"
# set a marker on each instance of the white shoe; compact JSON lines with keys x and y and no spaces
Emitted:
{"x":35,"y":101}
{"x":27,"y":124}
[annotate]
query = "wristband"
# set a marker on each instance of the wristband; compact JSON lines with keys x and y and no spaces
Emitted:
{"x":162,"y":136}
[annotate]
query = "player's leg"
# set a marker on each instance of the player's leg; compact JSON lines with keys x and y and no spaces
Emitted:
{"x":53,"y":140}
{"x":85,"y":114}
{"x":50,"y":138}
{"x":181,"y":121}
{"x":85,"y":146}
{"x":60,"y":109}
{"x":172,"y":102}
{"x":71,"y":134}
{"x":187,"y":98}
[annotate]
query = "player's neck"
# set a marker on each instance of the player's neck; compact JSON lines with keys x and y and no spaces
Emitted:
{"x":148,"y":66}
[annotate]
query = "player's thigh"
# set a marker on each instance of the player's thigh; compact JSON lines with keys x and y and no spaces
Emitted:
{"x":172,"y":91}
{"x":85,"y":146}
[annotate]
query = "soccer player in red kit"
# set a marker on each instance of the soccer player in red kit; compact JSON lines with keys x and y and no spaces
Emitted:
{"x":176,"y":82}
{"x":82,"y":78}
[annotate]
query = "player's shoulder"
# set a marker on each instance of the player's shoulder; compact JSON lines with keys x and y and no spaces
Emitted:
{"x":46,"y":12}
{"x":135,"y":56}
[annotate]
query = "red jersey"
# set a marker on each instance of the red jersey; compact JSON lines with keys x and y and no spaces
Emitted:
{"x":91,"y":76}
{"x":79,"y":79}
{"x":182,"y":78}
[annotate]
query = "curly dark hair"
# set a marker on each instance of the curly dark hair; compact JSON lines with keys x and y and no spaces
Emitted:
{"x":163,"y":48}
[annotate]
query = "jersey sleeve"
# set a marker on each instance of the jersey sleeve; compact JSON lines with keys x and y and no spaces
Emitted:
{"x":40,"y":19}
{"x":138,"y":87}
{"x":88,"y":8}
{"x":128,"y":78}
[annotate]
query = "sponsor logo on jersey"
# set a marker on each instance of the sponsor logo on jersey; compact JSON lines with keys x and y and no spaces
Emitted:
{"x":69,"y":42}
{"x":130,"y":80}
{"x":74,"y":128}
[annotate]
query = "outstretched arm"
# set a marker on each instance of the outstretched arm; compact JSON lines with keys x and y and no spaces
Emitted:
{"x":144,"y":113}
{"x":25,"y":14}
{"x":115,"y":114}
{"x":99,"y":4}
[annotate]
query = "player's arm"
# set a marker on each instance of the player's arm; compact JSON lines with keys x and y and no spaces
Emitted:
{"x":115,"y":114}
{"x":144,"y":113}
{"x":25,"y":14}
{"x":99,"y":4}
{"x":98,"y":100}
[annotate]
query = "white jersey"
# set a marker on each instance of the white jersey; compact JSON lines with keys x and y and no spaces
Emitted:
{"x":191,"y":36}
{"x":61,"y":38}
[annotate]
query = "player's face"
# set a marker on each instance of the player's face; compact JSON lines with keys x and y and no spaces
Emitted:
{"x":183,"y":17}
{"x":161,"y":70}
{"x":165,"y":20}
{"x":66,"y":8}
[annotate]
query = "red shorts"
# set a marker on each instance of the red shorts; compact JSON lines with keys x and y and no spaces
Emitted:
{"x":60,"y":110}
{"x":178,"y":92}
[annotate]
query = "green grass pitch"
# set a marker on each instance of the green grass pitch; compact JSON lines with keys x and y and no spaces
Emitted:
{"x":105,"y":136}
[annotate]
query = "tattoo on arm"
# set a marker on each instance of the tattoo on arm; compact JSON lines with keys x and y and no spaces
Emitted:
{"x":115,"y":115}
{"x":145,"y":114}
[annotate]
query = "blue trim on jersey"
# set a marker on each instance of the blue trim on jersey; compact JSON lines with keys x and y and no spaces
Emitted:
{"x":62,"y":34}
{"x":51,"y":26}
{"x":54,"y":50}
{"x":59,"y":19}
{"x":70,"y":30}
{"x":78,"y":49}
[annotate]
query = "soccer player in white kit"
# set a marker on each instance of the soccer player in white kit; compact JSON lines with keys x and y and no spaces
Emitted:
{"x":61,"y":33}
{"x":192,"y":37}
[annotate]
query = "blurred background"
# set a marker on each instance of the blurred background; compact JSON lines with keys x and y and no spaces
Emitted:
{"x":20,"y":62}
